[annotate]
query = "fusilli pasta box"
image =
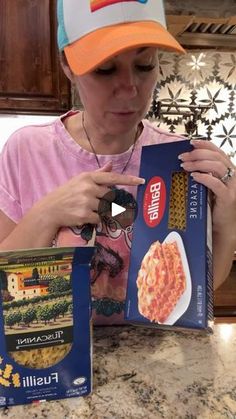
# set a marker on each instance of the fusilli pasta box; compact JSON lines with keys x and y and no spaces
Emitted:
{"x":45,"y":314}
{"x":170,"y":275}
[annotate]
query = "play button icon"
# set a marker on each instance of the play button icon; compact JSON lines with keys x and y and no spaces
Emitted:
{"x":118,"y":205}
{"x":116,"y":209}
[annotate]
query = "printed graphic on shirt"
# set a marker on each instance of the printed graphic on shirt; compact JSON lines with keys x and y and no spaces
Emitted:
{"x":109,"y":266}
{"x":99,"y":4}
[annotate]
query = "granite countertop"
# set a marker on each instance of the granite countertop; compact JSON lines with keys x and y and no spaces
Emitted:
{"x":148,"y":373}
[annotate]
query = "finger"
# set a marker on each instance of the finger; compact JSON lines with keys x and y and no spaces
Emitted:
{"x":206,"y":150}
{"x":207,"y":145}
{"x":88,"y":214}
{"x":211,"y":182}
{"x":204,"y":154}
{"x":93,"y":218}
{"x":82,"y":210}
{"x":101,"y":191}
{"x":116,"y":179}
{"x":216,"y":168}
{"x":106,"y":168}
{"x":93,"y":204}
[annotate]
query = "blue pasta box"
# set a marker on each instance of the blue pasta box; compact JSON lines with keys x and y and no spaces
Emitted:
{"x":45,"y":324}
{"x":170,"y":276}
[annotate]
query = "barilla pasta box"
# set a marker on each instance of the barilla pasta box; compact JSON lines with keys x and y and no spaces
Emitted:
{"x":170,"y":275}
{"x":45,"y":313}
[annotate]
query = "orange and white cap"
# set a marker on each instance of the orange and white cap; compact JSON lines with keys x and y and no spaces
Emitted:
{"x":93,"y":31}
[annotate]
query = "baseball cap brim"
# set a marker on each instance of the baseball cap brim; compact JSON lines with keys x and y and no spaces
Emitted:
{"x":98,"y":46}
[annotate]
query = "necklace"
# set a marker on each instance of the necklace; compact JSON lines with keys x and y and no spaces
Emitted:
{"x":95,"y":154}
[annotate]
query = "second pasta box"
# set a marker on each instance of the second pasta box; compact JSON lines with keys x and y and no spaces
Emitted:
{"x":45,"y":322}
{"x":170,"y":275}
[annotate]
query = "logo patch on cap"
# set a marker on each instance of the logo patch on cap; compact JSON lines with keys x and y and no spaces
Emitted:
{"x":99,"y":4}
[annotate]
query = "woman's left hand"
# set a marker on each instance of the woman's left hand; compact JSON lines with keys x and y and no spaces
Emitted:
{"x":209,"y":165}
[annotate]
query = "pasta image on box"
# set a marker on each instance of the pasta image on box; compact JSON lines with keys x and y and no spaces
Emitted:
{"x":45,"y":316}
{"x":170,"y":274}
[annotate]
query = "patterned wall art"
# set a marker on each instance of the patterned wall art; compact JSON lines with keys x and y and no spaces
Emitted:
{"x":196,"y":96}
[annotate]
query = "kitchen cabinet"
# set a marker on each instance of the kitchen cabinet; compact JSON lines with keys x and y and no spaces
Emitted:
{"x":31,"y":79}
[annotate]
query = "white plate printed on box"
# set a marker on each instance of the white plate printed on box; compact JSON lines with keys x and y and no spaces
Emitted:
{"x":185,"y":298}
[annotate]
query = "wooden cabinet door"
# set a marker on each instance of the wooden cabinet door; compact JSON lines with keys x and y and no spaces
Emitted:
{"x":31,"y":79}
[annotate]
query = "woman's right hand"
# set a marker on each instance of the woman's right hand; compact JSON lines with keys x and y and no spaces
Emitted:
{"x":76,"y":202}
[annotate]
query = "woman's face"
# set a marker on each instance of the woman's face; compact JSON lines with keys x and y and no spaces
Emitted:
{"x":117,"y":95}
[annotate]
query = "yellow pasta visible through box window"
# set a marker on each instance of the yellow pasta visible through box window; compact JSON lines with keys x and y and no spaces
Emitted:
{"x":42,"y":357}
{"x":178,"y":201}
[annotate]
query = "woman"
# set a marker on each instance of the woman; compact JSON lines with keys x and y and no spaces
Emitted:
{"x":54,"y":176}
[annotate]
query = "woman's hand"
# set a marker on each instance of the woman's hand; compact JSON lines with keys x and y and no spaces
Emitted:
{"x":76,"y":202}
{"x":208,"y":165}
{"x":72,"y":204}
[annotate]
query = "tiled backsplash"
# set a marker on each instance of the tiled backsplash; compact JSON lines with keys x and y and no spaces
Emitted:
{"x":199,"y":78}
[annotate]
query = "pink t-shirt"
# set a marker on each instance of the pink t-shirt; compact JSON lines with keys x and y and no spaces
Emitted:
{"x":36,"y":160}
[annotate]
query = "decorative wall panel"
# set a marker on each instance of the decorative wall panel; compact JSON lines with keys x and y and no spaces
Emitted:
{"x":198,"y":88}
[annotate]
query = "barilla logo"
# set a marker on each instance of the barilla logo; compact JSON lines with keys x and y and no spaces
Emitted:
{"x":154,"y":201}
{"x":99,"y":4}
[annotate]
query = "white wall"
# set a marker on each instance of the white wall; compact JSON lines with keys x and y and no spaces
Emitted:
{"x":10,"y":123}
